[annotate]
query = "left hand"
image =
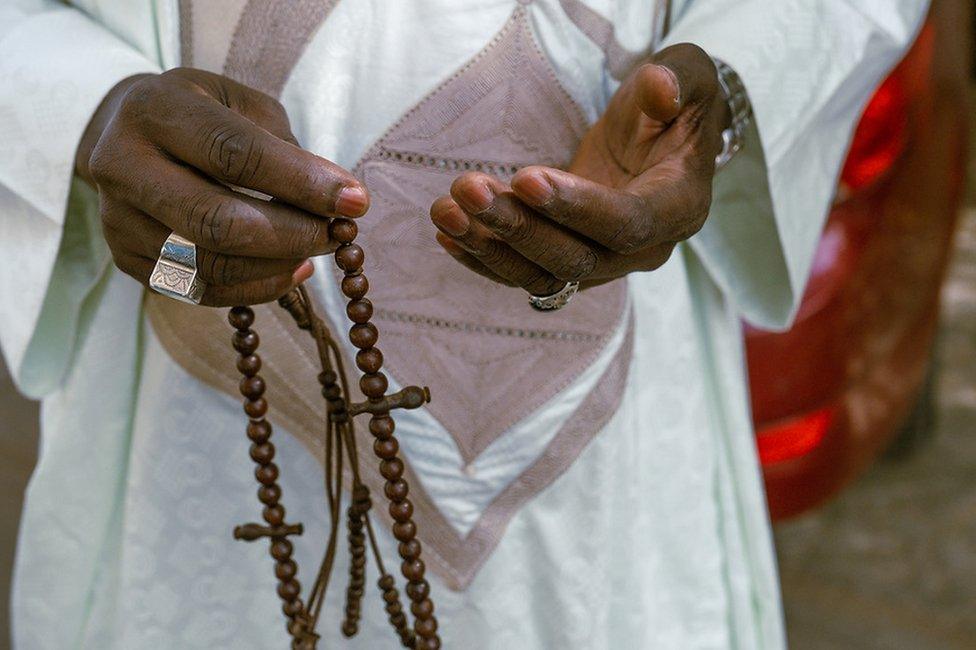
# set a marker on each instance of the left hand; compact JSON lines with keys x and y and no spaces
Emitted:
{"x":639,"y":183}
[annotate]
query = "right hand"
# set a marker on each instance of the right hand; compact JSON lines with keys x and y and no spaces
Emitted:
{"x":162,"y":151}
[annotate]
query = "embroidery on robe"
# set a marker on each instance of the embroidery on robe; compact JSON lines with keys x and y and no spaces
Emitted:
{"x":480,"y":118}
{"x":489,"y":368}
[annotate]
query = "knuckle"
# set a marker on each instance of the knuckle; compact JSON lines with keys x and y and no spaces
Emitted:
{"x":542,"y":284}
{"x":632,"y":236}
{"x":227,"y":269}
{"x":493,"y":256}
{"x":506,"y":224}
{"x":141,"y":96}
{"x":104,"y":162}
{"x":308,"y":237}
{"x":209,"y":220}
{"x":577,"y":267}
{"x":315,"y":179}
{"x":232,"y":152}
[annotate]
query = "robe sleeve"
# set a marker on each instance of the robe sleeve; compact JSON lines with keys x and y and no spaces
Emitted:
{"x":56,"y":64}
{"x":809,"y":66}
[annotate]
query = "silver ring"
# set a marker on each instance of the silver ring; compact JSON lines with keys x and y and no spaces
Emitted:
{"x":554,"y":301}
{"x":175,"y":273}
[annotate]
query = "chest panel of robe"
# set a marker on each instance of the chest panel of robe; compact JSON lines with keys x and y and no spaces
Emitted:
{"x":489,"y":359}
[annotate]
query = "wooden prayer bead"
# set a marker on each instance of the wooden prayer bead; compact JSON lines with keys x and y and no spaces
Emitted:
{"x":249,"y":365}
{"x":267,"y":474}
{"x":363,"y":335}
{"x":401,"y":511}
{"x":269,"y":494}
{"x":391,"y":469}
{"x":396,"y":490}
{"x":241,"y":318}
{"x":246,"y":342}
{"x":256,"y":408}
{"x":369,"y":360}
{"x":343,"y":231}
{"x":258,"y":431}
{"x":359,"y":311}
{"x":404,"y":531}
{"x":349,"y":257}
{"x":409,"y":550}
{"x":418,"y":590}
{"x":263,"y":453}
{"x":423,"y":609}
{"x":286,"y":570}
{"x":274,"y":515}
{"x":293,"y":608}
{"x":281,"y":549}
{"x":381,"y":426}
{"x":386,"y":449}
{"x":355,"y":286}
{"x":374,"y":384}
{"x":331,"y":392}
{"x":289,"y":589}
{"x":252,"y":387}
{"x":413,"y":569}
{"x":425,"y":627}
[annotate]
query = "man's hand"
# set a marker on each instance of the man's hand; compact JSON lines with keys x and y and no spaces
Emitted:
{"x":163,"y":151}
{"x":639,"y":184}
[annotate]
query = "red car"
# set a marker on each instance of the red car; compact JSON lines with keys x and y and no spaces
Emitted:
{"x":835,"y":390}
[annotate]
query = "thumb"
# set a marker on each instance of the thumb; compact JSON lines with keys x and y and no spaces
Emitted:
{"x":679,"y":77}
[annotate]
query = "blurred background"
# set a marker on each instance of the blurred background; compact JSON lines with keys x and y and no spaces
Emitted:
{"x":865,"y":410}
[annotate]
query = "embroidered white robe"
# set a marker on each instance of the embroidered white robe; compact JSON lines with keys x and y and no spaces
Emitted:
{"x":655,"y":537}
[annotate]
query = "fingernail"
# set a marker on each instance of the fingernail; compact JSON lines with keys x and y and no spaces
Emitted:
{"x":453,"y":221}
{"x":535,"y":188}
{"x":303,"y":272}
{"x":674,"y":82}
{"x":475,"y":198}
{"x":351,"y":202}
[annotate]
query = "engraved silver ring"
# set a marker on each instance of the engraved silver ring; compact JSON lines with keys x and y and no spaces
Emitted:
{"x":175,"y":273}
{"x":554,"y":301}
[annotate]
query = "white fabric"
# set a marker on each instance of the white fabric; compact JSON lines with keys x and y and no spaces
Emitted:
{"x":655,"y":538}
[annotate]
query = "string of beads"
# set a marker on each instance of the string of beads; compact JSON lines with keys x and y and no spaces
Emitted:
{"x":262,"y":452}
{"x":373,"y":383}
{"x":339,"y":433}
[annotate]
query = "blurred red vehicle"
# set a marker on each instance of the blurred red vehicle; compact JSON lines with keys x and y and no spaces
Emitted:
{"x":836,"y":389}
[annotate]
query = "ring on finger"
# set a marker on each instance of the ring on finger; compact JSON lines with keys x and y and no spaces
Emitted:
{"x":554,"y":301}
{"x":175,"y":273}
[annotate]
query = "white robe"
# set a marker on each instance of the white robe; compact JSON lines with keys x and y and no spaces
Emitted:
{"x":656,"y":537}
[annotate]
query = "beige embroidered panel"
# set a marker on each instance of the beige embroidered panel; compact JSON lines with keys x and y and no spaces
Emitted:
{"x":489,"y":360}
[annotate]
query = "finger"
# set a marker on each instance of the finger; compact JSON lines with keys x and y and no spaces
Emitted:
{"x":469,"y":260}
{"x":254,"y":292}
{"x":235,"y":150}
{"x":566,"y":255}
{"x":681,"y":76}
{"x":492,"y":253}
{"x":217,"y":218}
{"x":128,"y":229}
{"x":662,"y":208}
